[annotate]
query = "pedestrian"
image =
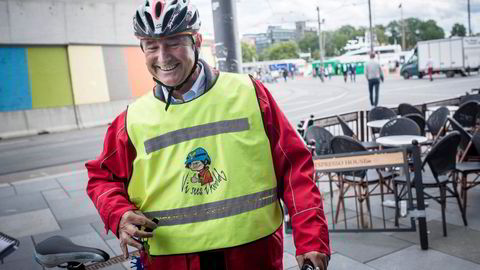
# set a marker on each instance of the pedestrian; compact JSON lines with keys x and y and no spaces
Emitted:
{"x":353,"y":72}
{"x":345,"y":72}
{"x":430,"y":68}
{"x":330,"y":71}
{"x":285,"y":74}
{"x":327,"y":73}
{"x":374,"y":75}
{"x":203,"y":160}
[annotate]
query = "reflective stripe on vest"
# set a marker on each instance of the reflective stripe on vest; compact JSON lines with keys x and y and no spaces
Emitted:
{"x":204,"y":169}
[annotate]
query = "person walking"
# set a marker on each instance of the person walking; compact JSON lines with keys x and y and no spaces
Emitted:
{"x":374,"y":74}
{"x":193,"y":172}
{"x":285,"y":74}
{"x":430,"y":68}
{"x":345,"y":72}
{"x":353,"y":72}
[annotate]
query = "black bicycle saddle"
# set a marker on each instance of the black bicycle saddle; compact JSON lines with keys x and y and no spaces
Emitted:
{"x":58,"y":250}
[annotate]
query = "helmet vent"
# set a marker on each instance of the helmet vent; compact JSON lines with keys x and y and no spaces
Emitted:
{"x":180,"y":18}
{"x":194,"y":19}
{"x":139,"y":21}
{"x":149,"y":20}
{"x":167,"y":18}
{"x":174,"y":2}
{"x":158,"y":9}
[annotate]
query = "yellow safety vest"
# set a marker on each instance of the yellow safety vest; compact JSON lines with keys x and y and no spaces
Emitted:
{"x":204,"y":169}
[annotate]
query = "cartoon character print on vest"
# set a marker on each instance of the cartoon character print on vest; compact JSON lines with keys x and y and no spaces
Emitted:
{"x":203,"y":180}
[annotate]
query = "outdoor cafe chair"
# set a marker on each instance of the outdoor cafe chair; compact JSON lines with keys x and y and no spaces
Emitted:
{"x":469,"y":97}
{"x":358,"y":180}
{"x":405,"y":108}
{"x":380,"y":113}
{"x":466,"y":114}
{"x":400,"y":126}
{"x":347,"y":131}
{"x":322,"y":137}
{"x":466,"y":168}
{"x":419,"y":120}
{"x":436,"y":122}
{"x":441,"y":162}
{"x":467,"y":152}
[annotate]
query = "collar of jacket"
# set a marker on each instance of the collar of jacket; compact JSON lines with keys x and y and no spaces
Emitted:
{"x":211,"y":76}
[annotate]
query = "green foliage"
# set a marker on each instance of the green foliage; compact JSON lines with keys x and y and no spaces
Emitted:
{"x":458,"y":30}
{"x":283,"y":50}
{"x":248,"y":52}
{"x":309,"y":43}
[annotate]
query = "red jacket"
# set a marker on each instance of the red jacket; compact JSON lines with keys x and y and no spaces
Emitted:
{"x":110,"y":172}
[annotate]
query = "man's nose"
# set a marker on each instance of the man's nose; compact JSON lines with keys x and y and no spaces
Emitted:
{"x":162,"y":53}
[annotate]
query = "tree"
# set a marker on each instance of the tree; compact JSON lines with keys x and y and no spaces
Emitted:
{"x":283,"y":50}
{"x":309,"y":43}
{"x":248,"y":52}
{"x":458,"y":30}
{"x":430,"y":30}
{"x":380,"y":32}
{"x":394,"y":31}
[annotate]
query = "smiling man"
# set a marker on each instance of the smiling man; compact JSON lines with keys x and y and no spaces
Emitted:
{"x":193,"y":172}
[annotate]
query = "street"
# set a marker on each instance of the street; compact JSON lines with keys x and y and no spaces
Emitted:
{"x":298,"y":99}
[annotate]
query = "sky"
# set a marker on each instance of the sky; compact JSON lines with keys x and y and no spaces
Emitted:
{"x":255,"y":15}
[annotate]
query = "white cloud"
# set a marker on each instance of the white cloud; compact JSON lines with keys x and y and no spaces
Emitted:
{"x":255,"y":15}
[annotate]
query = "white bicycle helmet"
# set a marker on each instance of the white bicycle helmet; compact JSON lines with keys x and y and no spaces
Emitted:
{"x":161,"y":18}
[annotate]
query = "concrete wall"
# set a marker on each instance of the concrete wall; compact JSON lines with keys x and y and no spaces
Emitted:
{"x":67,"y":22}
{"x":31,"y":122}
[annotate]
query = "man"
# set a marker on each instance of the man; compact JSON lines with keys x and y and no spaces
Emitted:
{"x":144,"y":179}
{"x":374,"y":74}
{"x":430,"y":68}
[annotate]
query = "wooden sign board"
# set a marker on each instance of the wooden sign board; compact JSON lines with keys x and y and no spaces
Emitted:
{"x":365,"y":161}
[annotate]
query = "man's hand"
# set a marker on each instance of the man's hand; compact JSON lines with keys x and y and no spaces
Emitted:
{"x":128,"y":229}
{"x":319,"y":260}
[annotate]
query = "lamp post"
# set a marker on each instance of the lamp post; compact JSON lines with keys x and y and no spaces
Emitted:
{"x":320,"y":41}
{"x":403,"y":26}
{"x":371,"y":31}
{"x":469,"y":24}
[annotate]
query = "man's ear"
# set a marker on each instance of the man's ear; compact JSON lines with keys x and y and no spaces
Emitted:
{"x":198,"y":40}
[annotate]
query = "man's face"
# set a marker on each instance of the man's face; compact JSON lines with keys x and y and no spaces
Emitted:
{"x":171,"y":59}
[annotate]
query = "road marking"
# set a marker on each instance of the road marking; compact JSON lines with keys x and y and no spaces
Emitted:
{"x":317,"y":103}
{"x":36,"y":179}
{"x":12,"y":142}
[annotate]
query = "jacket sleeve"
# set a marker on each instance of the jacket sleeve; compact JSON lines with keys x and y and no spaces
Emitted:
{"x":294,"y":170}
{"x":109,"y":175}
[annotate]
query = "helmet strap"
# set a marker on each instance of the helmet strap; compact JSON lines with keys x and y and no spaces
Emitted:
{"x":170,"y":89}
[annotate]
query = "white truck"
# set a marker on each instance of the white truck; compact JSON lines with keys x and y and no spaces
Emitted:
{"x":450,"y":56}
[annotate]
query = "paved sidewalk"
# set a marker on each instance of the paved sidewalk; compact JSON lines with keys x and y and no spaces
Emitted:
{"x":32,"y":209}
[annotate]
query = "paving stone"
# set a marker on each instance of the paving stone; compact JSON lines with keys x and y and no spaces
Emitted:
{"x":288,"y":245}
{"x":54,"y":194}
{"x":76,"y":181}
{"x":28,"y":223}
{"x":6,"y":190}
{"x":415,"y":258}
{"x":461,"y":242}
{"x":69,"y":232}
{"x":21,"y":264}
{"x":35,"y":185}
{"x":364,"y":247}
{"x":21,"y":203}
{"x":340,"y":262}
{"x":82,"y":193}
{"x":92,"y":240}
{"x":114,"y":244}
{"x":100,"y":228}
{"x":24,"y":251}
{"x":67,"y":223}
{"x":73,"y":208}
{"x":289,"y":261}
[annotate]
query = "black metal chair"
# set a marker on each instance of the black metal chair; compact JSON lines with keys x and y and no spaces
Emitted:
{"x":400,"y":126}
{"x":469,"y":97}
{"x":466,"y":151}
{"x":347,"y":131}
{"x":360,"y":179}
{"x":441,"y":161}
{"x":380,"y":113}
{"x":464,"y":169}
{"x":436,"y":122}
{"x":466,"y":114}
{"x":321,"y":137}
{"x":405,"y":108}
{"x":419,"y":120}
